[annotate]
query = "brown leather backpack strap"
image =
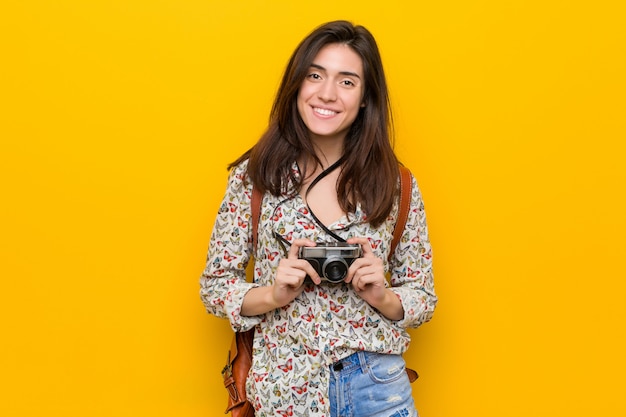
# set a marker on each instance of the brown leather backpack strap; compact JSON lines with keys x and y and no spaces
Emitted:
{"x":403,"y":211}
{"x":257,"y":197}
{"x":240,"y":354}
{"x":406,"y":185}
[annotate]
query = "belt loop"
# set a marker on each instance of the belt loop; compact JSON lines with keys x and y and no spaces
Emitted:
{"x":362,"y":361}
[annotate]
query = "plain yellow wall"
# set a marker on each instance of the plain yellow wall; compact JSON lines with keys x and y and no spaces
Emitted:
{"x":119,"y":117}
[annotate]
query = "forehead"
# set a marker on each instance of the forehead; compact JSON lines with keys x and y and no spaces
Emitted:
{"x":338,"y":57}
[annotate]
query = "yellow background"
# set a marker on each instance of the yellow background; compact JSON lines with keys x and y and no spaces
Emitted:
{"x":118,"y":119}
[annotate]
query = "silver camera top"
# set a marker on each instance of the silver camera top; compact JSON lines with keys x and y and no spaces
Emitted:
{"x":325,"y":250}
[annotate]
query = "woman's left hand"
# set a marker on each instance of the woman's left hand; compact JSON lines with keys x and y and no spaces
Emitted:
{"x":367,"y":275}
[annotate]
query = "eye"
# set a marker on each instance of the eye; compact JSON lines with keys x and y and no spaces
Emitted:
{"x":348,"y":83}
{"x":314,"y":76}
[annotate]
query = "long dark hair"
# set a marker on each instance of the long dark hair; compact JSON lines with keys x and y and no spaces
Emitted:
{"x":370,"y":169}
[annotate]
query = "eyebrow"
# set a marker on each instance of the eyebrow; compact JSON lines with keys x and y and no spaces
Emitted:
{"x":349,"y":73}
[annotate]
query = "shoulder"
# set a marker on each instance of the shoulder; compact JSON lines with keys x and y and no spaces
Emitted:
{"x":241,"y":168}
{"x":406,"y":177}
{"x":238,"y":175}
{"x":410,"y":193}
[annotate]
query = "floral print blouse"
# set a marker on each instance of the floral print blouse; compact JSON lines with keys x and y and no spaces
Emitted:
{"x":294,"y":345}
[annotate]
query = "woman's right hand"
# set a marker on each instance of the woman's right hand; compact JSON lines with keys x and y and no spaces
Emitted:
{"x":288,"y":284}
{"x":291,"y":273}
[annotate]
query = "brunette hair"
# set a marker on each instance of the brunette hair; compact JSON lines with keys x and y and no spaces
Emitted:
{"x":370,"y":168}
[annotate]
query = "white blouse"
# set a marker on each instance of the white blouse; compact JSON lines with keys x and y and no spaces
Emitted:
{"x":295,"y":344}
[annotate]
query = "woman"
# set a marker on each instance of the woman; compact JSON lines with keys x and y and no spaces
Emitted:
{"x":328,"y":174}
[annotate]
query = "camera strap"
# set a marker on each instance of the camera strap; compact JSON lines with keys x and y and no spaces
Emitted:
{"x":403,"y":209}
{"x":404,"y":203}
{"x":313,"y":183}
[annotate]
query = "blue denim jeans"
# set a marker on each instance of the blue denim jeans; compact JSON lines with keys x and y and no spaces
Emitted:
{"x":367,"y":384}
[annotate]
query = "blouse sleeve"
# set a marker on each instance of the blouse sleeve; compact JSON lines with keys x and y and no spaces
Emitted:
{"x":411,"y":267}
{"x":223,"y":283}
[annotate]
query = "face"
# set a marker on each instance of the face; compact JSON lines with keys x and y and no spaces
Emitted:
{"x":331,"y":95}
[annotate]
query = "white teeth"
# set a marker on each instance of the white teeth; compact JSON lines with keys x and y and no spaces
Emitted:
{"x":324,"y":112}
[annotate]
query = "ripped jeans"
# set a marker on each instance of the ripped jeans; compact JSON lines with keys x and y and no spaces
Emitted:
{"x":367,"y":384}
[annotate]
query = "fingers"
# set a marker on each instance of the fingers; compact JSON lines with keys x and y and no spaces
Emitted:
{"x":292,"y":272}
{"x":289,"y":274}
{"x":364,"y":242}
{"x":367,"y":255}
{"x":300,"y":267}
{"x":365,"y":272}
{"x":288,"y":285}
{"x":294,"y":250}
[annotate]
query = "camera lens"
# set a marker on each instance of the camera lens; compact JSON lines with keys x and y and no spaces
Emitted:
{"x":335,"y":269}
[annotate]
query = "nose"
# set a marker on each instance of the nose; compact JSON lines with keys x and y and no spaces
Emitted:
{"x":327,"y":91}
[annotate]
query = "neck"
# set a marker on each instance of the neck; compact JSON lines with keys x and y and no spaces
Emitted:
{"x":328,"y":150}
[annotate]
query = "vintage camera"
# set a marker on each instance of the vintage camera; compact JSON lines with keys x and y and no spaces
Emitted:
{"x":331,"y":260}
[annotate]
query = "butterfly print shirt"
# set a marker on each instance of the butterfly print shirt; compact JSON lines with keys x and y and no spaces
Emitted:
{"x":294,"y":345}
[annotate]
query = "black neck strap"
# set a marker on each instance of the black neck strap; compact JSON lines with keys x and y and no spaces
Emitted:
{"x":315,"y":181}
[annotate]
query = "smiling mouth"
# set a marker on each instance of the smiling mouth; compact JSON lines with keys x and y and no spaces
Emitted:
{"x":324,"y":112}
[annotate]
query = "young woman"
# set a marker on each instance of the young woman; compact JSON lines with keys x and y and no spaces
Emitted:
{"x":326,"y":344}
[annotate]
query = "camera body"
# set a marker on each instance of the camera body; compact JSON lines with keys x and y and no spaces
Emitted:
{"x":331,"y":260}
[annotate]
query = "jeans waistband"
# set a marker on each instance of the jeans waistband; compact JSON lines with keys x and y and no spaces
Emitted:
{"x":356,"y":360}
